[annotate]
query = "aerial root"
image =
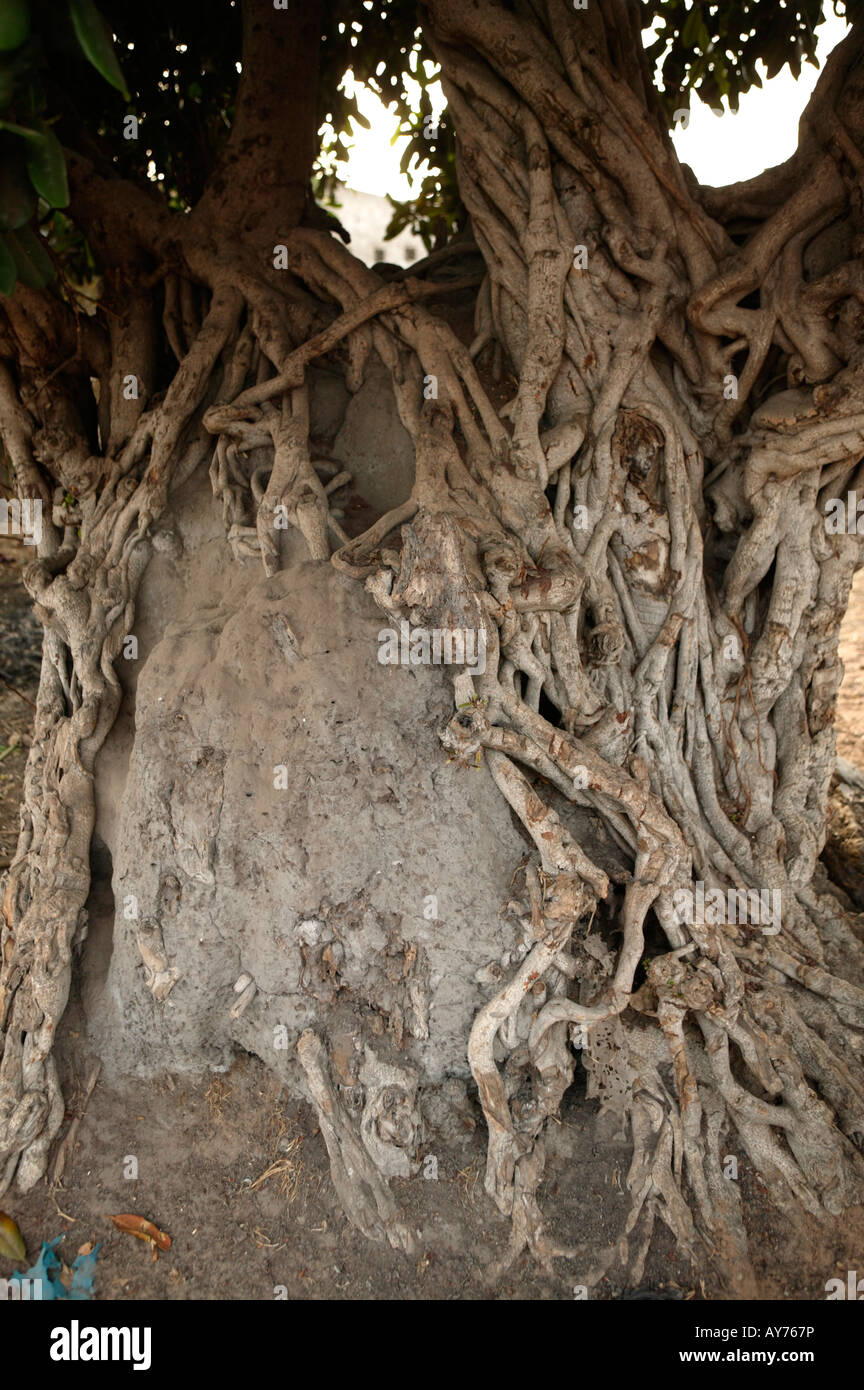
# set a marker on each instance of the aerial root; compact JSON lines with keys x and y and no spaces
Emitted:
{"x":680,"y":1169}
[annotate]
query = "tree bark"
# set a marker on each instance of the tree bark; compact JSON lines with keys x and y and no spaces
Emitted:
{"x":640,"y":534}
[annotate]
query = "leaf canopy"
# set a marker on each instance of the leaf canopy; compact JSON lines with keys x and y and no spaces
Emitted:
{"x":72,"y":72}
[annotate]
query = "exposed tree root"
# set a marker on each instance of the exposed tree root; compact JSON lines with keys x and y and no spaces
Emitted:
{"x":362,"y":1189}
{"x":645,"y":552}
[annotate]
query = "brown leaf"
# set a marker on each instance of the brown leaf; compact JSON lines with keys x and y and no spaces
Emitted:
{"x":145,"y":1230}
{"x":12,"y":1245}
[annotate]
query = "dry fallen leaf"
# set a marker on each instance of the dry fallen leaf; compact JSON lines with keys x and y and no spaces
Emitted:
{"x":144,"y":1230}
{"x":12,"y":1245}
{"x":86,"y":1249}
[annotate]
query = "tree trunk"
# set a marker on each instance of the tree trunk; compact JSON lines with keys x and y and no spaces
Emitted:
{"x":640,"y":535}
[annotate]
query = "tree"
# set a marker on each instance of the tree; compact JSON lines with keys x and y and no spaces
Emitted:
{"x":638,"y":531}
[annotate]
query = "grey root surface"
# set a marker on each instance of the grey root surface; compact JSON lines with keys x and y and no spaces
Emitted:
{"x":363,"y":894}
{"x":613,"y":423}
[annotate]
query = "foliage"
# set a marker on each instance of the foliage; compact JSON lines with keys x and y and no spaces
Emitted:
{"x":385,"y":44}
{"x":713,"y":49}
{"x":33,"y":178}
{"x":51,"y":98}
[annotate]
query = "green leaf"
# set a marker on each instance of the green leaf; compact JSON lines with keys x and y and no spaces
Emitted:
{"x":47,"y":169}
{"x":30,"y":100}
{"x":8,"y":79}
{"x":353,"y":110}
{"x":8,"y":270}
{"x":694,"y":34}
{"x":31,"y":259}
{"x":17,"y":199}
{"x":97,"y":43}
{"x":46,"y":163}
{"x":14,"y":23}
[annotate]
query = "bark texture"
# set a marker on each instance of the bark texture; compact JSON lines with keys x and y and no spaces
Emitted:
{"x":639,"y":531}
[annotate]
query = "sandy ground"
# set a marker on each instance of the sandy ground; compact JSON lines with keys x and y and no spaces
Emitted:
{"x":236,"y":1172}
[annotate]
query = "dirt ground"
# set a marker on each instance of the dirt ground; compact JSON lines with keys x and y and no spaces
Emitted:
{"x":236,"y":1172}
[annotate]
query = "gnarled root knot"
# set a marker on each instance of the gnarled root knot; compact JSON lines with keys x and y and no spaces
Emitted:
{"x":364,"y":1193}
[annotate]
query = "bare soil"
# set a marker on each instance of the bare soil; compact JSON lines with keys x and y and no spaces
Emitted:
{"x":236,"y":1172}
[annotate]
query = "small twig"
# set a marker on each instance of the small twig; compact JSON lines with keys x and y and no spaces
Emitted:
{"x":65,"y":1215}
{"x":62,"y":367}
{"x":68,"y":1143}
{"x":17,"y":692}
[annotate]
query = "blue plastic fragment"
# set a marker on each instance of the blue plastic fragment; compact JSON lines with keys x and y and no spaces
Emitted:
{"x":47,"y":1271}
{"x":83,"y":1272}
